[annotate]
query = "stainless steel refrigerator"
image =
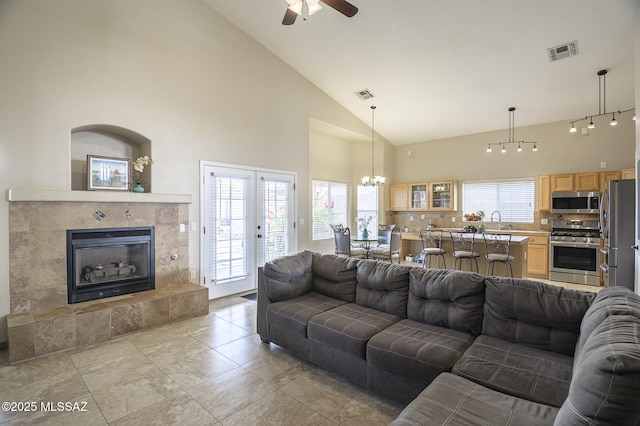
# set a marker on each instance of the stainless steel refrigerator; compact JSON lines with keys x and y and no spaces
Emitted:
{"x":617,"y":221}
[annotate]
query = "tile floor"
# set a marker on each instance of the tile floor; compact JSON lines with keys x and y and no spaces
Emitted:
{"x":207,"y":370}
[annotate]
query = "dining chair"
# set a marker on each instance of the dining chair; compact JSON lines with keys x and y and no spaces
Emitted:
{"x":497,"y":248}
{"x":343,"y":245}
{"x":464,"y":249}
{"x":384,"y":234}
{"x":432,"y":246}
{"x":391,"y":252}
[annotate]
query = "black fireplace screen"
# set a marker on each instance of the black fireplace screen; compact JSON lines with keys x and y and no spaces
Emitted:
{"x":109,"y":262}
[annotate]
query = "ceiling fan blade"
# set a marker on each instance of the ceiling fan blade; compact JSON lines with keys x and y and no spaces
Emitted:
{"x":342,"y":6}
{"x":289,"y":17}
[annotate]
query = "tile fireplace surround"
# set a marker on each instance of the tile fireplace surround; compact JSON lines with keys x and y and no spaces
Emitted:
{"x":41,"y":321}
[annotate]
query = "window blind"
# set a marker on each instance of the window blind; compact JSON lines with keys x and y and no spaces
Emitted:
{"x":330,"y":203}
{"x":514,"y":199}
{"x":367,"y":204}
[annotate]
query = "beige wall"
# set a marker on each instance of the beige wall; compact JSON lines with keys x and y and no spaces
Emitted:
{"x":465,"y":157}
{"x":175,"y":72}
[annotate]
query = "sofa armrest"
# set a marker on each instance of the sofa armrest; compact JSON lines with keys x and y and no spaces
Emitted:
{"x":263,"y":302}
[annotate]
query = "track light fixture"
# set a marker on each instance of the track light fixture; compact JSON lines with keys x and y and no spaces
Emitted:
{"x":511,"y":140}
{"x":602,"y":105}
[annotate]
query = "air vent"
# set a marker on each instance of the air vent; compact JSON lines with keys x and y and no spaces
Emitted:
{"x":563,"y":51}
{"x":364,"y":94}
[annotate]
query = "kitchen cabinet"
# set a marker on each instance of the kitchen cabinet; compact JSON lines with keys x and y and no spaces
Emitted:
{"x":418,"y":196}
{"x":443,"y":196}
{"x":586,"y":181}
{"x":398,"y":197}
{"x":544,"y":193}
{"x":424,"y":196}
{"x":562,"y":182}
{"x":605,"y":177}
{"x":628,"y":174}
{"x":538,"y":256}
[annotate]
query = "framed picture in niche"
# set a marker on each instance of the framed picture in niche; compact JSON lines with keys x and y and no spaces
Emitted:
{"x":108,"y":173}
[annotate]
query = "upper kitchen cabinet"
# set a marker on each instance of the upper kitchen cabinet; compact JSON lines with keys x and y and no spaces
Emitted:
{"x":605,"y":177}
{"x":544,"y":193}
{"x":419,"y":196}
{"x":399,"y":197}
{"x":586,"y":182}
{"x":424,"y":196}
{"x":628,"y":174}
{"x":443,"y":196}
{"x":562,"y":182}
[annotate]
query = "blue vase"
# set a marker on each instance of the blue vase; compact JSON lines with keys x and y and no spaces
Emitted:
{"x":138,"y":188}
{"x":365,"y":234}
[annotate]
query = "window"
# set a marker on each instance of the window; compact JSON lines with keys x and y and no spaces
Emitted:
{"x":367,"y":205}
{"x":330,"y":203}
{"x":514,"y":199}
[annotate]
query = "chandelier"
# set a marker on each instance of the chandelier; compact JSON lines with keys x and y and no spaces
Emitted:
{"x":602,"y":105}
{"x":511,"y":137}
{"x":373,"y":180}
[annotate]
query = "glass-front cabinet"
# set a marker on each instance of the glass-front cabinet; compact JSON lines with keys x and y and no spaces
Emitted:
{"x":419,"y":196}
{"x":442,"y":195}
{"x":424,"y":196}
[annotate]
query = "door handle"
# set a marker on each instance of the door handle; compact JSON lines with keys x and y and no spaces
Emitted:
{"x":634,"y":247}
{"x":259,"y":236}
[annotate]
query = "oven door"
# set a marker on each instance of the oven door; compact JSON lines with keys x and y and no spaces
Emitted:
{"x":574,"y":263}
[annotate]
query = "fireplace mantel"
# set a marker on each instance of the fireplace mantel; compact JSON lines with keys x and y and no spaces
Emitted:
{"x":37,"y":195}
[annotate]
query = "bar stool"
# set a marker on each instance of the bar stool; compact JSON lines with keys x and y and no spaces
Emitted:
{"x":463,"y":249}
{"x":497,"y":249}
{"x":432,"y":246}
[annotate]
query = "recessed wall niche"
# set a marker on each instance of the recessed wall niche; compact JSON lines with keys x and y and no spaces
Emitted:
{"x":108,"y":141}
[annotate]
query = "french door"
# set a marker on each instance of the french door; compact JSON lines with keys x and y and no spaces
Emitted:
{"x":247,"y":219}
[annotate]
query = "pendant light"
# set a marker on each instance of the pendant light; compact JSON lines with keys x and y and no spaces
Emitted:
{"x":602,"y":105}
{"x":512,"y":140}
{"x":373,"y":180}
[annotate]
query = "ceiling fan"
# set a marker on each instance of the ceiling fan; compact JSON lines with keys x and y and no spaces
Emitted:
{"x":309,"y":7}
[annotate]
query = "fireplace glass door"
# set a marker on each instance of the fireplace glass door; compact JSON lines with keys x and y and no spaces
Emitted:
{"x":109,"y":262}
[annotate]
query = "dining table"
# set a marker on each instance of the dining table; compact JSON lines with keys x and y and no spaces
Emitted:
{"x":365,"y":243}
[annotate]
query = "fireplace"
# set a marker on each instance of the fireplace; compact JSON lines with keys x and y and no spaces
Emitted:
{"x":109,"y":262}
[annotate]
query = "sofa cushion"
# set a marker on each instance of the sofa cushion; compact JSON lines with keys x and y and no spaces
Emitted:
{"x":609,"y":301}
{"x":606,"y":381}
{"x":517,"y":370}
{"x":416,"y":350}
{"x":453,"y":400}
{"x":452,"y":299}
{"x":349,"y":327}
{"x":533,"y":313}
{"x":294,"y":314}
{"x":335,"y":276}
{"x":383,"y":286}
{"x":288,"y":276}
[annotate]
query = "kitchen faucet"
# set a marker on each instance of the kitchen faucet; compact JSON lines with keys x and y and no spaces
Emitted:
{"x":499,"y":219}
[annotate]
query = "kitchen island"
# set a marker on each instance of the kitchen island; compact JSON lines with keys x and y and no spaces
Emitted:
{"x":411,"y":244}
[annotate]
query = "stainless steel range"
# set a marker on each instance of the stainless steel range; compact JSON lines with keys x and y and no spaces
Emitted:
{"x":574,"y":248}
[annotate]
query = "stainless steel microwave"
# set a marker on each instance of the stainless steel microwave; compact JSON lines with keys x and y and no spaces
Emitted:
{"x":575,"y":202}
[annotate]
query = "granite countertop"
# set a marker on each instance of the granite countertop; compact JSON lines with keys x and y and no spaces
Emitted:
{"x":515,"y":239}
{"x":502,"y":231}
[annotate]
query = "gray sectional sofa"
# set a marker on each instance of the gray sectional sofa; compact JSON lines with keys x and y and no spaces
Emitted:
{"x":459,"y":348}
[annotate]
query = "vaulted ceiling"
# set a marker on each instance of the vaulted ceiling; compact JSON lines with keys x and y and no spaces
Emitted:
{"x":442,"y":69}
